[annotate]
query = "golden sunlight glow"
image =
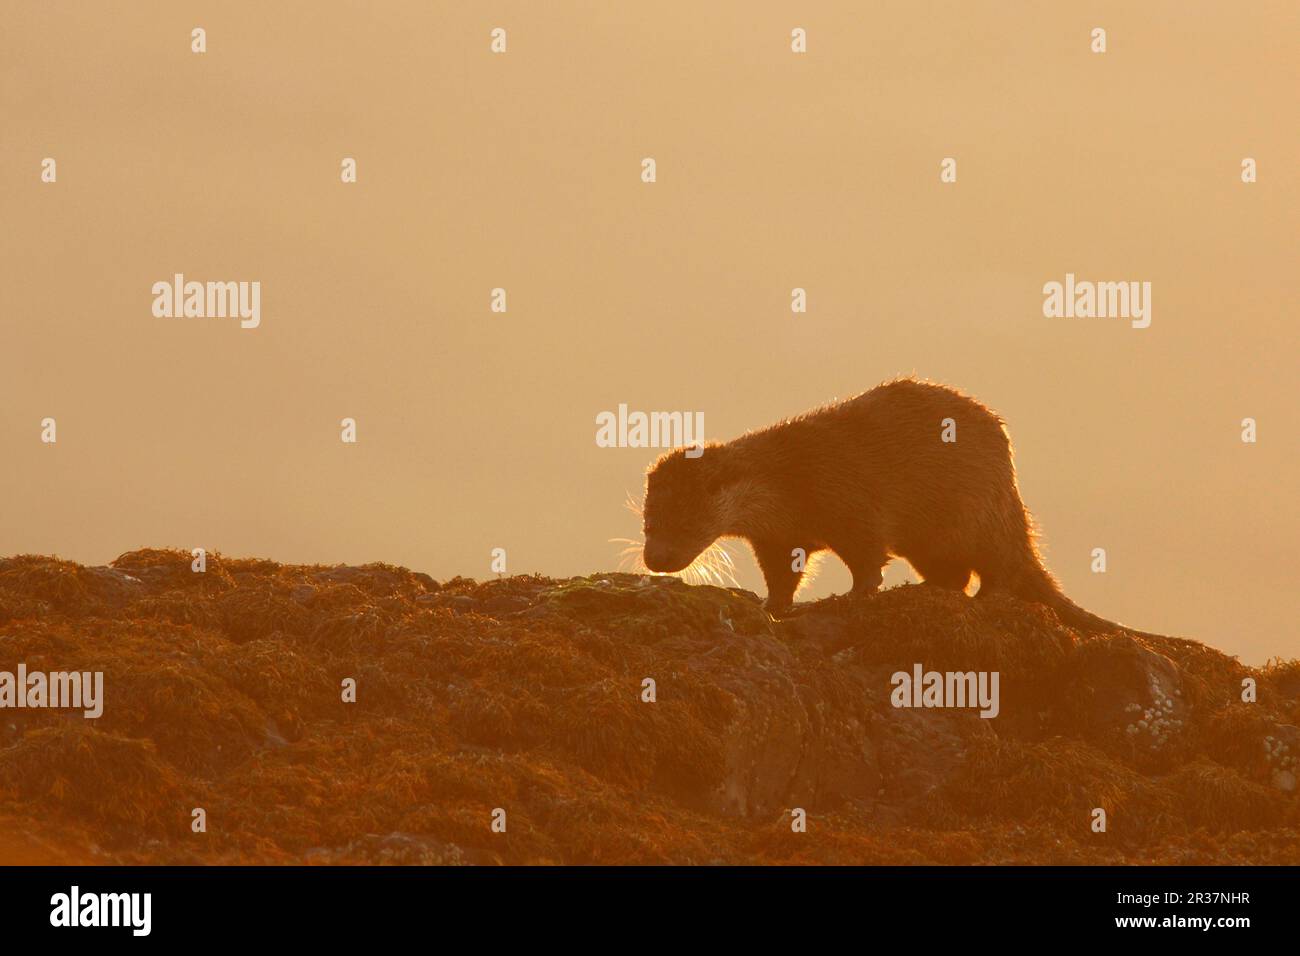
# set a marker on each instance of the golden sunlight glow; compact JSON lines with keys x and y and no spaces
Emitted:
{"x":714,"y":565}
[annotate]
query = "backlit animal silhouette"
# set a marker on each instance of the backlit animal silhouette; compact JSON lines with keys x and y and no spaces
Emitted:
{"x":868,"y":478}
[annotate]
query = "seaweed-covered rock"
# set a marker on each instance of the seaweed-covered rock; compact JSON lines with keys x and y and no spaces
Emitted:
{"x":371,"y":714}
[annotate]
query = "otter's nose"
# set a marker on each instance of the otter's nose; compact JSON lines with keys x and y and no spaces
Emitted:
{"x":657,"y":557}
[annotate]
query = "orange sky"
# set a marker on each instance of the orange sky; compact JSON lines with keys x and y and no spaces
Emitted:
{"x":522,"y":171}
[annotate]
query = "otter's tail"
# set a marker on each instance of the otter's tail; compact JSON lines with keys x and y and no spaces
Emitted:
{"x":1035,"y":583}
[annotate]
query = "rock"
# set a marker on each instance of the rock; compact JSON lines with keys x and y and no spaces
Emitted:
{"x":1282,"y":755}
{"x":533,"y":696}
{"x":1124,"y":694}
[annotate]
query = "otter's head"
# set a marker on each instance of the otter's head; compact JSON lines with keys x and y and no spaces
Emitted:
{"x":682,"y":511}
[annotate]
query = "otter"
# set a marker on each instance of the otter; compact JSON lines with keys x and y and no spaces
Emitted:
{"x":909,"y":469}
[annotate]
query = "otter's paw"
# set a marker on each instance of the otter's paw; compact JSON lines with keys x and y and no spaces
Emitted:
{"x":777,"y":610}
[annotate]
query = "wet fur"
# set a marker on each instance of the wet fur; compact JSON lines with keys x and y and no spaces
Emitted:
{"x":869,"y":479}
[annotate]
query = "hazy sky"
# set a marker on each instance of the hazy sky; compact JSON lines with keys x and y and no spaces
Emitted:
{"x":523,"y":171}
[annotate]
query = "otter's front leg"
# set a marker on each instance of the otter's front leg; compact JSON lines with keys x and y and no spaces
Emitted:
{"x":867,"y":581}
{"x":777,"y":564}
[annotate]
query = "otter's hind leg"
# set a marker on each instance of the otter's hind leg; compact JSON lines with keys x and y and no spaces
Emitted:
{"x":944,"y":574}
{"x":866,"y":563}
